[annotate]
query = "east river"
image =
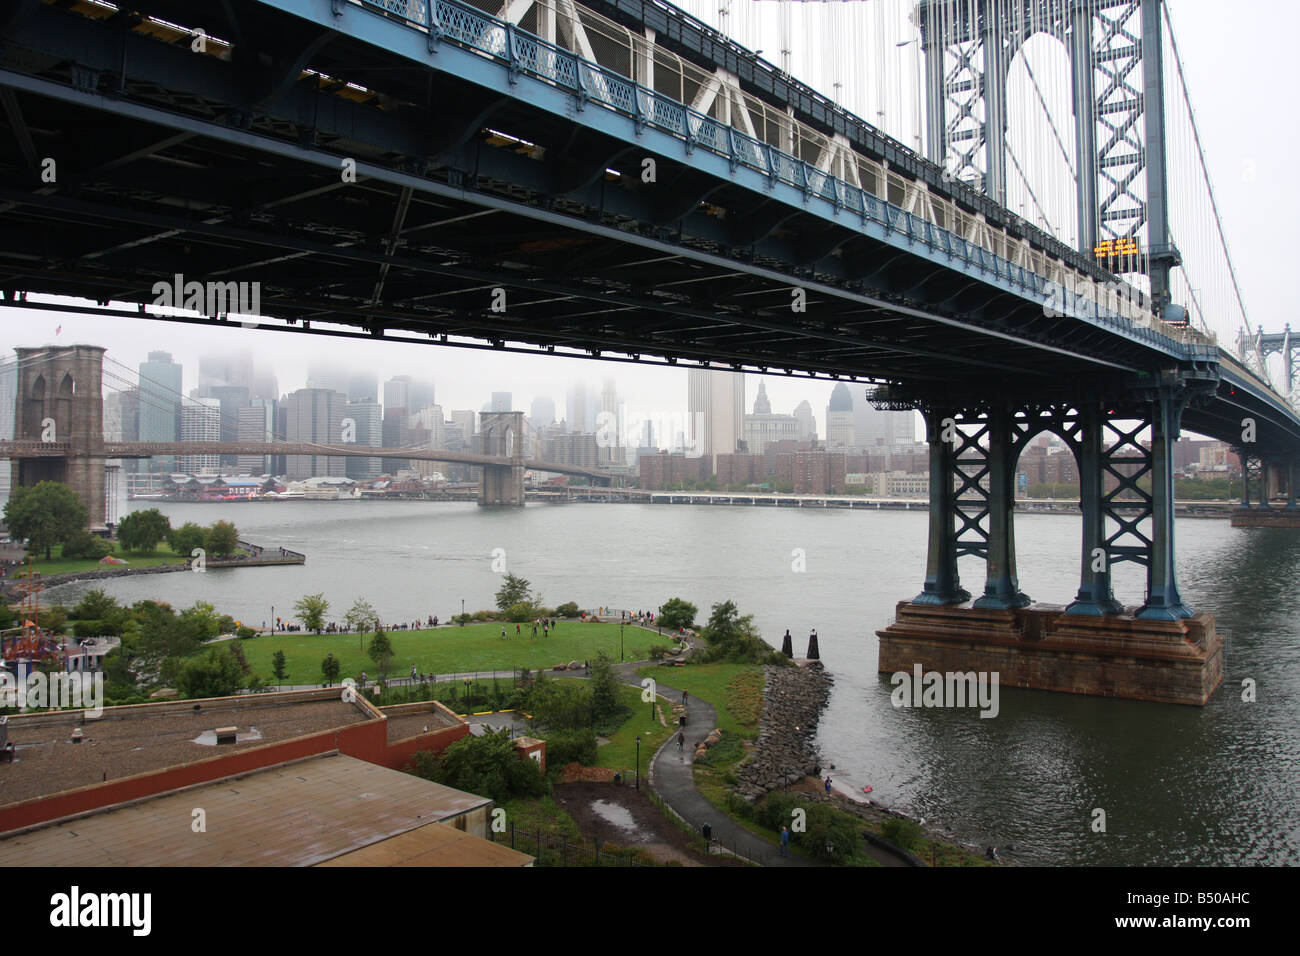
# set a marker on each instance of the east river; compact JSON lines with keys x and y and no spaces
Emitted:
{"x":1179,"y":785}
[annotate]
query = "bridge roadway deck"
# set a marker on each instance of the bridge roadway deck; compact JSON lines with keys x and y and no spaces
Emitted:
{"x":480,"y":168}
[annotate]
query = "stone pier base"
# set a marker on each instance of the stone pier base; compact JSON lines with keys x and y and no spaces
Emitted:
{"x":1042,"y":648}
{"x":1265,"y":518}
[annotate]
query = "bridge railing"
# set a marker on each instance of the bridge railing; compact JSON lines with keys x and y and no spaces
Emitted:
{"x":943,"y":227}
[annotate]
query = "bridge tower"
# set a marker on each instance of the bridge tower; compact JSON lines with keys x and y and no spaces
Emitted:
{"x":1116,"y":80}
{"x":1122,"y":442}
{"x":503,"y":436}
{"x":60,"y":400}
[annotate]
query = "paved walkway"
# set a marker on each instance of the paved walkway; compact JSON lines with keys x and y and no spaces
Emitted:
{"x":672,"y":779}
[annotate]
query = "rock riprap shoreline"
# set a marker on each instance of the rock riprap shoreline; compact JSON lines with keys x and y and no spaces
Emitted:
{"x":793,"y":701}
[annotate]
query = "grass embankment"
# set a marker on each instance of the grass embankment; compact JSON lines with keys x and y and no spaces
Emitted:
{"x":58,"y":564}
{"x":446,"y":650}
{"x":620,"y":753}
{"x":736,"y":693}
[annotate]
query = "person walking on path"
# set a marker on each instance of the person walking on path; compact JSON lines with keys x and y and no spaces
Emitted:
{"x":681,"y":740}
{"x":828,"y":785}
{"x":684,"y":696}
{"x":785,"y":841}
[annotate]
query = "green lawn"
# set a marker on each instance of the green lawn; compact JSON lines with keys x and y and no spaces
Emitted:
{"x":58,"y":564}
{"x":620,"y":753}
{"x":445,"y":650}
{"x":739,"y":707}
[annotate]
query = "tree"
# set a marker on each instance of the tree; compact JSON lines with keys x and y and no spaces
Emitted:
{"x":488,"y":765}
{"x":221,"y":538}
{"x":312,"y":608}
{"x":329,"y":668}
{"x":559,"y":705}
{"x":100,"y":614}
{"x":677,"y":613}
{"x":215,"y":674}
{"x":513,"y":591}
{"x":186,"y":538}
{"x":734,"y":638}
{"x":604,"y":687}
{"x":142,"y":530}
{"x":44,"y":515}
{"x":82,"y":544}
{"x":381,"y":651}
{"x":95,"y":606}
{"x":205,"y":620}
{"x":361,"y":616}
{"x":277,"y":668}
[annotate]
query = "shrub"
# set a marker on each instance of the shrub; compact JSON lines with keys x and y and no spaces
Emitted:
{"x":83,"y":544}
{"x":824,"y":826}
{"x":488,"y":765}
{"x":677,"y":613}
{"x":522,"y":612}
{"x":571,"y":746}
{"x":901,"y":832}
{"x":568,"y":609}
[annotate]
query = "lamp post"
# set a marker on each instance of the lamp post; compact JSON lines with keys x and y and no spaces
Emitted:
{"x":620,"y":643}
{"x":638,"y":761}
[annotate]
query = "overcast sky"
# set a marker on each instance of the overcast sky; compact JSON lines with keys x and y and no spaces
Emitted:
{"x":1238,"y":80}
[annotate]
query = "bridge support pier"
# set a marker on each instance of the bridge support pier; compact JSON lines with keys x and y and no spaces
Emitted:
{"x":502,"y":485}
{"x":1159,"y":651}
{"x":59,"y":403}
{"x":1263,"y":514}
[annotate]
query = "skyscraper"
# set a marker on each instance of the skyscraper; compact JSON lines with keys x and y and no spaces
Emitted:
{"x":763,"y":428}
{"x":716,"y":403}
{"x":609,"y":431}
{"x":314,"y":415}
{"x":542,"y":412}
{"x":160,"y":398}
{"x":200,"y":422}
{"x":501,"y":402}
{"x":807,"y":424}
{"x":256,"y":424}
{"x":576,"y":409}
{"x":322,"y":374}
{"x":367,"y":421}
{"x":397,"y":394}
{"x":363,"y":387}
{"x":840,"y":426}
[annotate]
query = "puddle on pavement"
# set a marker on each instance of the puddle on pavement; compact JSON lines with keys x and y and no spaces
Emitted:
{"x":620,"y":817}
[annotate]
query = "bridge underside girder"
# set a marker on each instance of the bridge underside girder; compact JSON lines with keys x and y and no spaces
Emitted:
{"x":222,"y":170}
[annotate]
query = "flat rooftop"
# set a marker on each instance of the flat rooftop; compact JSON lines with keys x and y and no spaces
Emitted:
{"x":405,"y":722}
{"x":127,"y":741}
{"x":326,"y":808}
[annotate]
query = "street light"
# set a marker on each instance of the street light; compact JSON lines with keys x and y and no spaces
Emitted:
{"x":620,"y":643}
{"x":638,"y":761}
